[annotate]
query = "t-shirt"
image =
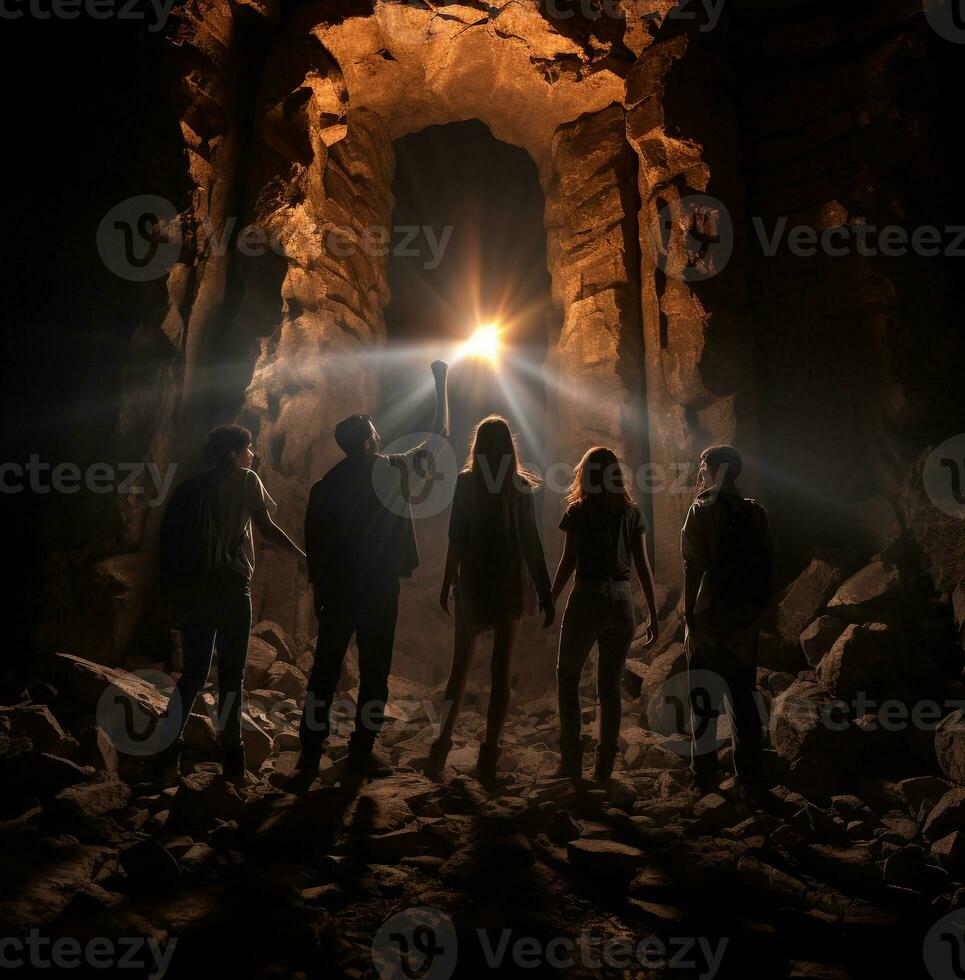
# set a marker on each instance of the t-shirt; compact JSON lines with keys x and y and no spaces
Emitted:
{"x":238,"y":495}
{"x":604,"y":538}
{"x":701,"y":535}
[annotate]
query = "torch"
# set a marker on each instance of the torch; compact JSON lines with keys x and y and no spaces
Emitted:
{"x":440,"y":423}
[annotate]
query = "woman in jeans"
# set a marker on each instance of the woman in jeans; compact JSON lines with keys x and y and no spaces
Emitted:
{"x":605,"y":535}
{"x":496,"y":562}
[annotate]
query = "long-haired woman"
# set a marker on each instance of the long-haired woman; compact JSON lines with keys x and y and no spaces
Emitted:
{"x":496,"y":563}
{"x":605,"y":538}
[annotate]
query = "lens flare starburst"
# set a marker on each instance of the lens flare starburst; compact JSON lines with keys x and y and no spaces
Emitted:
{"x":485,"y":343}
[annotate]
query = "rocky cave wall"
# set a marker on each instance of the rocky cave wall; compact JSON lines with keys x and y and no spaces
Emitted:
{"x":859,"y":356}
{"x":288,"y":121}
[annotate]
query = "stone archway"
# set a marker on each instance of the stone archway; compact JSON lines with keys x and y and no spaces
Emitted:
{"x":349,"y":91}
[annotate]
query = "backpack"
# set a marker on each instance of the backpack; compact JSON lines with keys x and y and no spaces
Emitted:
{"x":191,"y":549}
{"x":743,"y":565}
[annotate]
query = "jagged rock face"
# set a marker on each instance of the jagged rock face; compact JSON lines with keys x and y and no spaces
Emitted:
{"x":418,"y":66}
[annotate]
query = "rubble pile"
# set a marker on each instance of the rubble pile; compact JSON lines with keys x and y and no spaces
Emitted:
{"x":862,"y":830}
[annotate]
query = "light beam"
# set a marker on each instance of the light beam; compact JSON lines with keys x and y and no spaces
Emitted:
{"x":485,"y":343}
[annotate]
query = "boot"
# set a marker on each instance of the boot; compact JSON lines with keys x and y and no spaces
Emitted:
{"x":605,"y":756}
{"x":365,"y":760}
{"x":705,"y":780}
{"x":436,"y":762}
{"x":485,"y":770}
{"x":571,"y":761}
{"x":306,"y":769}
{"x":233,"y":766}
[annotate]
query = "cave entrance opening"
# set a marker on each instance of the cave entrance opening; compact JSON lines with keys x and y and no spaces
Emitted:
{"x":467,"y":247}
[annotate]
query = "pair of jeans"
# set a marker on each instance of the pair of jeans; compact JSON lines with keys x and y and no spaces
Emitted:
{"x":598,"y":612}
{"x":722,"y":678}
{"x":370,"y":612}
{"x":216,"y":616}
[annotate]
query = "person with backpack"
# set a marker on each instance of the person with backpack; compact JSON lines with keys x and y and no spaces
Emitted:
{"x":605,"y":541}
{"x":728,"y":565}
{"x":207,"y":560}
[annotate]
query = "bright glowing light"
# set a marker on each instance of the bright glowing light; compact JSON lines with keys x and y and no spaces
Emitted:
{"x":485,"y":343}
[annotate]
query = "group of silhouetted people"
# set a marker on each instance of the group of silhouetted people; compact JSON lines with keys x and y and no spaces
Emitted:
{"x":360,"y":540}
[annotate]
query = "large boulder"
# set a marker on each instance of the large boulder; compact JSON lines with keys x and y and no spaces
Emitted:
{"x":876,"y":586}
{"x":812,"y":732}
{"x":42,"y":878}
{"x":666,"y":692}
{"x":874,"y":659}
{"x":947,"y":816}
{"x":261,"y":656}
{"x":806,"y":598}
{"x":950,"y":746}
{"x":819,"y":637}
{"x":284,"y":677}
{"x":949,"y":851}
{"x":200,"y":800}
{"x":94,"y":799}
{"x":37,"y":723}
{"x":277,"y":637}
{"x":128,"y":709}
{"x":604,"y":858}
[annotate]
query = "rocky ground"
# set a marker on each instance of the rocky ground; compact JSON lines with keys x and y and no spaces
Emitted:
{"x":855,"y":853}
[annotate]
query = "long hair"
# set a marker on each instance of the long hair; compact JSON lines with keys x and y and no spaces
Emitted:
{"x":493,"y":458}
{"x":598,"y":481}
